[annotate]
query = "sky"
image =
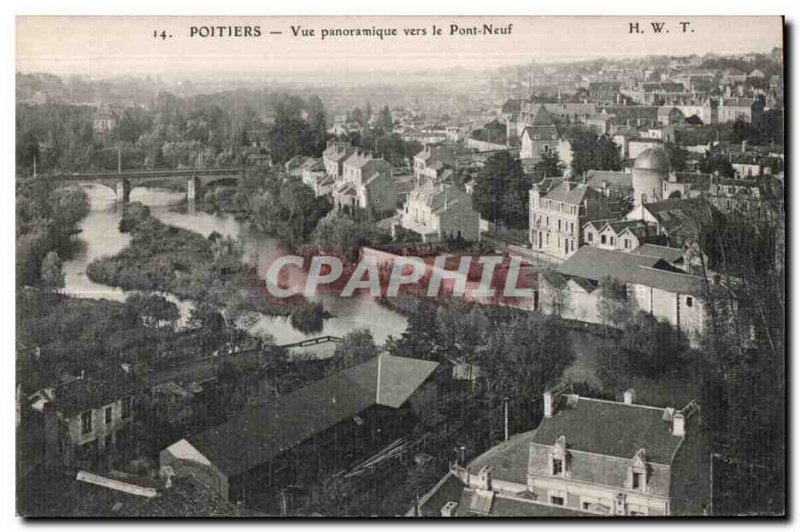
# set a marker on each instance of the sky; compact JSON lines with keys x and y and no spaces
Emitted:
{"x":105,"y":47}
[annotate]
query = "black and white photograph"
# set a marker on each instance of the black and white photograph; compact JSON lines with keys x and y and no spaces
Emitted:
{"x":399,"y":267}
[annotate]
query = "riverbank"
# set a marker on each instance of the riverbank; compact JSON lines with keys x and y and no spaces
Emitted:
{"x":165,"y":258}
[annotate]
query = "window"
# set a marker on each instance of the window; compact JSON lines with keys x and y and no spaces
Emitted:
{"x":627,"y":243}
{"x":602,"y":239}
{"x":589,"y":236}
{"x":559,"y":225}
{"x":638,"y":481}
{"x":556,"y":500}
{"x":612,"y":240}
{"x":689,"y":301}
{"x":86,"y":422}
{"x":126,"y":407}
{"x":558,"y":466}
{"x":107,"y":441}
{"x":109,"y":411}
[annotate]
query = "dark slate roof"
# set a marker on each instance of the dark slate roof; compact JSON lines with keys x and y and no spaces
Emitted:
{"x":611,"y":429}
{"x":596,"y":178}
{"x":682,"y":217}
{"x":662,"y":252}
{"x":267,"y":431}
{"x":92,"y":392}
{"x":509,"y":460}
{"x":596,"y":264}
{"x":451,"y":489}
{"x":569,"y":193}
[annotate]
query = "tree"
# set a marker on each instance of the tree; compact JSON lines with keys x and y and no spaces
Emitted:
{"x":153,"y":310}
{"x":421,"y":339}
{"x":521,"y":358}
{"x":501,"y":179}
{"x":590,"y":152}
{"x":549,"y":165}
{"x":613,"y":306}
{"x":677,"y":157}
{"x":51,"y":273}
{"x":385,"y":120}
{"x":356,"y":347}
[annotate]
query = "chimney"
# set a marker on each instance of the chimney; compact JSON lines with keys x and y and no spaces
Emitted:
{"x":629,"y":396}
{"x":549,"y":407}
{"x":485,"y":478}
{"x":744,"y":146}
{"x":678,"y":427}
{"x":449,"y":509}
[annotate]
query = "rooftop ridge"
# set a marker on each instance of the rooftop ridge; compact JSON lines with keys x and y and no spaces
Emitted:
{"x":660,"y":409}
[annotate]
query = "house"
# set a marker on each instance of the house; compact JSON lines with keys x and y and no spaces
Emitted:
{"x":733,"y":109}
{"x":685,"y":185}
{"x":366,"y":182}
{"x":558,"y":209}
{"x":745,"y":195}
{"x":301,"y":436}
{"x":436,"y":212}
{"x":653,"y":285}
{"x":334,"y":156}
{"x":434,"y":163}
{"x":612,"y":184}
{"x":604,"y":91}
{"x":540,"y":137}
{"x":620,"y":235}
{"x":570,"y":112}
{"x":588,"y":457}
{"x":678,"y":219}
{"x":599,"y":123}
{"x":86,"y":417}
{"x":104,"y":120}
{"x":312,"y":171}
{"x":294,"y":166}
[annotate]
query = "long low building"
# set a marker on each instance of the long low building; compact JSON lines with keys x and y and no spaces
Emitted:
{"x":654,"y":285}
{"x":318,"y":429}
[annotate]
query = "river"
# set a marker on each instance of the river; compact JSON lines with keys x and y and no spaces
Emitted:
{"x":100,"y":236}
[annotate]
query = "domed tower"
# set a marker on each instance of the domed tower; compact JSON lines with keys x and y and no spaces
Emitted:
{"x":650,"y":169}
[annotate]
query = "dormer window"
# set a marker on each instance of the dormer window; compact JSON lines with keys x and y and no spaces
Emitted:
{"x":558,"y":459}
{"x":637,"y":472}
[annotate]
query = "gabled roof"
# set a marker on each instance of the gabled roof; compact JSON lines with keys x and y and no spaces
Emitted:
{"x":266,"y":431}
{"x":611,"y":429}
{"x":596,"y":264}
{"x":662,"y":252}
{"x":542,"y":118}
{"x":682,"y":217}
{"x":569,"y":192}
{"x":596,"y":179}
{"x":91,"y":392}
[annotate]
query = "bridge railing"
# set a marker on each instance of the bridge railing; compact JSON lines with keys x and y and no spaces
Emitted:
{"x":128,"y":174}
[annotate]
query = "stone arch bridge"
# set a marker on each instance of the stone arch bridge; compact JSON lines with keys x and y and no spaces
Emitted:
{"x":123,"y":182}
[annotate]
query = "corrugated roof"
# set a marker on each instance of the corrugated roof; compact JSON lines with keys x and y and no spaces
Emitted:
{"x":267,"y":431}
{"x":611,"y":429}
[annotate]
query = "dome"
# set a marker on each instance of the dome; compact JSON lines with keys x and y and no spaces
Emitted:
{"x":653,"y":159}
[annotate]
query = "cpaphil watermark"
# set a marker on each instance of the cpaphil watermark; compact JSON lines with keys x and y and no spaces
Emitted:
{"x":487,"y":277}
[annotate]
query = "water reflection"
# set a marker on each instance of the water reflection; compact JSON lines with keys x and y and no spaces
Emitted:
{"x":101,"y":237}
